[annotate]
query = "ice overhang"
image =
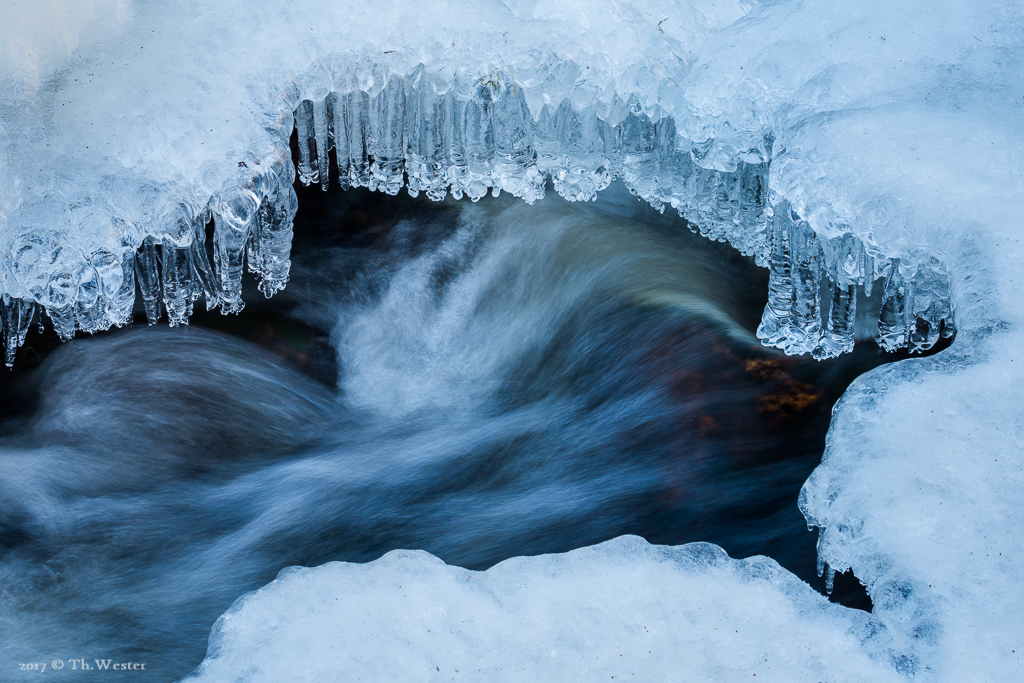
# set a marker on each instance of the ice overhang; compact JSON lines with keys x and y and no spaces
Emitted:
{"x":183,"y":115}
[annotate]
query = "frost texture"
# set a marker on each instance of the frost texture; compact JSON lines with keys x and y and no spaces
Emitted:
{"x":652,"y":613}
{"x":125,"y":156}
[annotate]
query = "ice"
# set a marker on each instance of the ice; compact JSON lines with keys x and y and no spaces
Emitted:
{"x":236,"y":216}
{"x":650,"y":613}
{"x":469,"y":99}
{"x":791,"y":318}
{"x":836,"y":143}
{"x":16,"y":319}
{"x":38,"y":36}
{"x":919,"y":494}
{"x":147,"y":272}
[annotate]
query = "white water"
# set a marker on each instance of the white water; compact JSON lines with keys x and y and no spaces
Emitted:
{"x":512,"y":380}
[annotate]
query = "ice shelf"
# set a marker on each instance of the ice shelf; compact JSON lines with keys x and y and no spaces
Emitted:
{"x":121,"y":155}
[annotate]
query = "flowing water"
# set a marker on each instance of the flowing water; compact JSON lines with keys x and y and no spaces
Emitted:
{"x":477,"y":380}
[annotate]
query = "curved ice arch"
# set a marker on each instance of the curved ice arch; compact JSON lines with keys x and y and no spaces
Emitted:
{"x":578,"y":96}
{"x":473,"y":137}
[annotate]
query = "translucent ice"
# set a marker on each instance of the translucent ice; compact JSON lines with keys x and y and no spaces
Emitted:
{"x":695,"y":106}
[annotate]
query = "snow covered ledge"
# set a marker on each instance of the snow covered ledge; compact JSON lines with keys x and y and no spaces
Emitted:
{"x":894,"y":125}
{"x":922,"y":483}
{"x":622,"y":610}
{"x":125,"y":153}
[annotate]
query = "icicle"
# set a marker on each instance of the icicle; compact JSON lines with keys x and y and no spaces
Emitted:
{"x":478,"y":128}
{"x":825,"y":569}
{"x":791,"y":319}
{"x":275,"y":218}
{"x":892,"y":316}
{"x":205,"y":281}
{"x":847,"y":257}
{"x":313,"y":123}
{"x":777,"y":312}
{"x":928,"y":307}
{"x":515,"y":167}
{"x":923,"y":335}
{"x":179,"y":283}
{"x":636,"y":151}
{"x":110,"y":276}
{"x":581,"y":153}
{"x":751,"y":198}
{"x":665,"y":156}
{"x":90,"y":311}
{"x":546,"y":143}
{"x":119,"y":305}
{"x":388,"y":142}
{"x":565,"y":136}
{"x":26,"y":314}
{"x":254,"y":245}
{"x":424,"y":140}
{"x":320,"y":134}
{"x":305,"y":129}
{"x":805,"y":321}
{"x":744,"y":188}
{"x":869,"y":274}
{"x":10,"y":311}
{"x":352,"y":129}
{"x":147,"y":271}
{"x":60,"y":293}
{"x":339,"y":137}
{"x":234,"y":217}
{"x":455,"y":143}
{"x":727,"y":199}
{"x":842,"y":315}
{"x":948,"y":327}
{"x":705,"y":188}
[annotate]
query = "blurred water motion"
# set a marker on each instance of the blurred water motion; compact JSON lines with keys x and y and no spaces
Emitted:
{"x":477,"y":380}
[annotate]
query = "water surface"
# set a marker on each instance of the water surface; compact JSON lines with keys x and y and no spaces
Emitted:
{"x":478,"y":381}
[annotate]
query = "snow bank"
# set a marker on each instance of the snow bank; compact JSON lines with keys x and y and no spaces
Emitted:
{"x":919,"y":494}
{"x":622,"y":609}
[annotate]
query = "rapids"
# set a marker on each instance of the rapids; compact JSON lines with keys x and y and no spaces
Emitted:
{"x":480,"y":381}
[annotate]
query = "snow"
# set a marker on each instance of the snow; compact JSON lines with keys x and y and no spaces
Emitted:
{"x":687,"y":613}
{"x":839,"y":143}
{"x":919,"y":493}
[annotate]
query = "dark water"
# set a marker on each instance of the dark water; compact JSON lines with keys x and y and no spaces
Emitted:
{"x":479,"y":381}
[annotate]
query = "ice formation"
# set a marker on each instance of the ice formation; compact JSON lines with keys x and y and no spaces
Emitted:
{"x":124,"y":154}
{"x":651,"y":613}
{"x":844,"y":145}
